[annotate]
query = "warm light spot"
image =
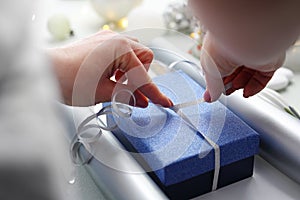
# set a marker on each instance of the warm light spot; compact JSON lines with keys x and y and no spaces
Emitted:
{"x":192,"y":35}
{"x":123,"y":23}
{"x":105,"y":27}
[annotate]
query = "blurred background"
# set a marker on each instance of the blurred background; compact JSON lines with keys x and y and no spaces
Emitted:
{"x":63,"y":21}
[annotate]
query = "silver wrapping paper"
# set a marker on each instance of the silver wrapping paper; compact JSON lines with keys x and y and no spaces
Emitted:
{"x":279,"y":131}
{"x":115,"y":172}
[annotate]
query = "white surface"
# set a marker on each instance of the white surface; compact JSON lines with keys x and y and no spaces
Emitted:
{"x":267,"y":182}
{"x":291,"y":93}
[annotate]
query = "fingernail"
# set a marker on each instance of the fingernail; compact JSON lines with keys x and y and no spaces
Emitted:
{"x":170,"y":103}
{"x":166,"y":102}
{"x":207,"y":97}
{"x":230,"y":91}
{"x":246,"y":95}
{"x":142,"y":102}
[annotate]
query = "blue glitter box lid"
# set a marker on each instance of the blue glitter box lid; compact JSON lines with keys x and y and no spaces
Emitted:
{"x":173,"y":150}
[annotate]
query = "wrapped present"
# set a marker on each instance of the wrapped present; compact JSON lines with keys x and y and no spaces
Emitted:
{"x":179,"y":158}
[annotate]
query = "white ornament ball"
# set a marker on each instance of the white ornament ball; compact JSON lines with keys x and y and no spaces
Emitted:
{"x":113,"y":10}
{"x":59,"y":26}
{"x":281,"y":79}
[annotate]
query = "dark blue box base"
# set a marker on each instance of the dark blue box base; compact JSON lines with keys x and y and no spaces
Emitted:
{"x":198,"y":185}
{"x":202,"y":184}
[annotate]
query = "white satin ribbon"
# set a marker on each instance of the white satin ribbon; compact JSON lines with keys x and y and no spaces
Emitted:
{"x":176,"y":108}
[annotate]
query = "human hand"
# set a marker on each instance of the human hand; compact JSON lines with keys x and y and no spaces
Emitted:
{"x":85,"y":70}
{"x":224,"y":75}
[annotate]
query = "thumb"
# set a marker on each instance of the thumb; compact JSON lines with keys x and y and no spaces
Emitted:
{"x":213,"y":78}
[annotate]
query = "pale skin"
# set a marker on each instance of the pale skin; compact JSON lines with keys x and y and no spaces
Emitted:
{"x":103,"y":55}
{"x":247,"y":41}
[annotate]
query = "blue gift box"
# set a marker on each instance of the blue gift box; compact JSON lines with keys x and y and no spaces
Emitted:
{"x":177,"y":157}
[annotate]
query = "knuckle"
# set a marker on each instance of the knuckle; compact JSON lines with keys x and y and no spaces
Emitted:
{"x":106,"y":32}
{"x":121,"y":40}
{"x":134,"y":39}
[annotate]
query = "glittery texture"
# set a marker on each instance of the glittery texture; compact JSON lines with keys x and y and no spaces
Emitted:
{"x":174,"y":151}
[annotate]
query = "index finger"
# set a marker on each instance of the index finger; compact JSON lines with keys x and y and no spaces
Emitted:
{"x":138,"y":77}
